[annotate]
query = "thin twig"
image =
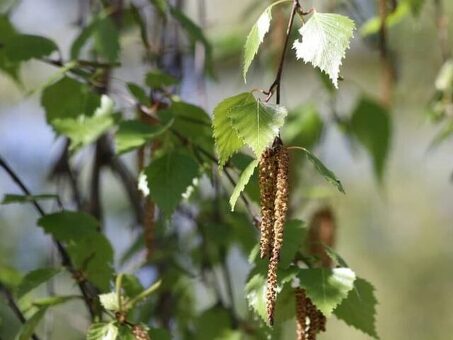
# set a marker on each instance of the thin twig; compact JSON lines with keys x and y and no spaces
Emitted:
{"x":88,"y":291}
{"x":15,"y":308}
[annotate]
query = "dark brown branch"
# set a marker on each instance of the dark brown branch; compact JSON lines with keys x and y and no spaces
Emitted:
{"x":15,"y":308}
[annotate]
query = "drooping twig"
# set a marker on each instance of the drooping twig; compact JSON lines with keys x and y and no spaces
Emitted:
{"x":15,"y":308}
{"x":88,"y":291}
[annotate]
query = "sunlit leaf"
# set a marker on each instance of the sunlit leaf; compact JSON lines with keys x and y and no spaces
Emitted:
{"x":325,"y":39}
{"x":256,"y":122}
{"x":102,"y":331}
{"x":327,"y":287}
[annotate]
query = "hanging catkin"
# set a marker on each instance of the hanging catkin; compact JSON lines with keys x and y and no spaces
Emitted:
{"x":140,"y":333}
{"x":317,"y":320}
{"x":301,"y":314}
{"x":280,"y":209}
{"x":267,"y":176}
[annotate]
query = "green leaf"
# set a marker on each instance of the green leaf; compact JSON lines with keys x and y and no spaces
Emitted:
{"x":242,"y":182}
{"x":102,"y":331}
{"x":89,"y":249}
{"x":35,"y":278}
{"x":327,"y":287}
{"x":227,"y":141}
{"x":82,"y":39}
{"x":7,"y":32}
{"x":256,"y":294}
{"x":212,"y":323}
{"x":28,"y":328}
{"x":106,"y":38}
{"x":168,"y":178}
{"x":256,"y":37}
{"x":68,"y":98}
{"x":139,"y":93}
{"x":131,"y":285}
{"x":256,"y":122}
{"x":370,"y":124}
{"x":325,"y":39}
{"x":293,"y":237}
{"x":84,"y":130}
{"x":159,"y":333}
{"x":159,"y":79}
{"x":109,"y":301}
{"x":12,"y":198}
{"x":359,"y":308}
{"x":323,"y":170}
{"x":133,"y":134}
{"x":373,"y":25}
{"x":23,"y":47}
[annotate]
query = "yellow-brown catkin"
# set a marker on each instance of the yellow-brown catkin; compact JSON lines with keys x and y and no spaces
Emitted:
{"x":267,"y":176}
{"x":140,"y":333}
{"x":322,"y":232}
{"x":280,"y":210}
{"x":149,"y":227}
{"x":301,"y":314}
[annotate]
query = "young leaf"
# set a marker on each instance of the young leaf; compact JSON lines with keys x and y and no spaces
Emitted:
{"x":89,"y":249}
{"x":327,"y":287}
{"x":102,"y":331}
{"x":371,"y":125}
{"x":109,"y":301}
{"x":68,"y":98}
{"x":256,"y":37}
{"x":54,"y":300}
{"x":323,"y":170}
{"x":12,"y":198}
{"x":7,"y":32}
{"x":28,"y":328}
{"x":169,"y":177}
{"x":325,"y":39}
{"x":158,"y":79}
{"x":242,"y":182}
{"x":227,"y":141}
{"x":257,"y":123}
{"x":133,"y":134}
{"x":84,"y":130}
{"x":23,"y":47}
{"x":35,"y":278}
{"x":106,"y":38}
{"x":359,"y":308}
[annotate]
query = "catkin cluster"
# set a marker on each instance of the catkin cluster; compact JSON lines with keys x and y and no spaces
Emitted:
{"x":274,"y":206}
{"x":310,"y":321}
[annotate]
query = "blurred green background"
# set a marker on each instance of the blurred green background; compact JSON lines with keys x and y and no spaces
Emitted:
{"x":398,"y":235}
